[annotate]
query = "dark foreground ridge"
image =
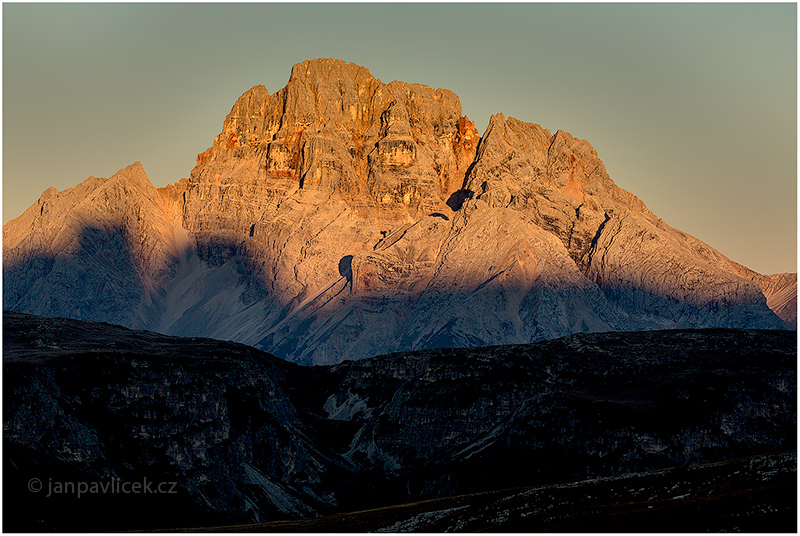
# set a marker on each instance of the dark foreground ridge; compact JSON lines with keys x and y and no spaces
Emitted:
{"x":756,"y":494}
{"x":248,"y":438}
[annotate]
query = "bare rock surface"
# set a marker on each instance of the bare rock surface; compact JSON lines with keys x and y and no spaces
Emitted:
{"x":780,"y":291}
{"x":99,"y":251}
{"x":657,"y":276}
{"x":342,"y":217}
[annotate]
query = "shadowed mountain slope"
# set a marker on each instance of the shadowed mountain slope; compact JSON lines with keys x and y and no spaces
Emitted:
{"x":342,"y":217}
{"x":251,"y":438}
{"x":780,"y":291}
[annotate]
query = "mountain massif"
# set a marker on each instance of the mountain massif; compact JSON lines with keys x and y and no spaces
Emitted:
{"x":227,"y":434}
{"x":342,"y":218}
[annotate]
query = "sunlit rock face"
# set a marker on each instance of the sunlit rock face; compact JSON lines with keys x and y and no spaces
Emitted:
{"x":657,"y":276}
{"x":342,"y":217}
{"x":392,"y":152}
{"x":102,"y":250}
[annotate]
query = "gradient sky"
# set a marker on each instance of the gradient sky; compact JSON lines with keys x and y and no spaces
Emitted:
{"x":692,"y":107}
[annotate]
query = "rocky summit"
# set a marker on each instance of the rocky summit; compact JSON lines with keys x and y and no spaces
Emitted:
{"x":342,"y":218}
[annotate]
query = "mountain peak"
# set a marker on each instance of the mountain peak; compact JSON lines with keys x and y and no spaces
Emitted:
{"x":341,"y":217}
{"x":328,"y":69}
{"x":252,"y":102}
{"x":394,"y":152}
{"x":133,"y":174}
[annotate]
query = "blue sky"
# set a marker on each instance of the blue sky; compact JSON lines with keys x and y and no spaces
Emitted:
{"x":692,"y":107}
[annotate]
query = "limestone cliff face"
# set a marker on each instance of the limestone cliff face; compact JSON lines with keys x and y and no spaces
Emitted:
{"x":391,"y":152}
{"x":780,"y":291}
{"x":659,"y":276}
{"x":556,"y":180}
{"x":342,"y":217}
{"x":99,"y":251}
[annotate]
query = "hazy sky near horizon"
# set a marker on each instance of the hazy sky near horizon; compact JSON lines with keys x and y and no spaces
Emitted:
{"x":692,"y":107}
